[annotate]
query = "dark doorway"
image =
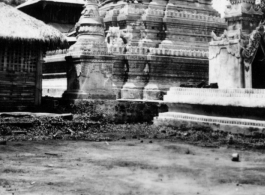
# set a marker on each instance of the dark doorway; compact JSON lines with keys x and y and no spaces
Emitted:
{"x":258,"y":70}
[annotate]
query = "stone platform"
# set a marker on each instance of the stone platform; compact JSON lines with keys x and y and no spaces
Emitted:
{"x":232,"y":110}
{"x":231,"y":125}
{"x":221,"y":97}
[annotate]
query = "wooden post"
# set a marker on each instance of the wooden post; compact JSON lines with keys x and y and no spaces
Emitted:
{"x":38,"y":90}
{"x":5,"y":57}
{"x":2,"y":53}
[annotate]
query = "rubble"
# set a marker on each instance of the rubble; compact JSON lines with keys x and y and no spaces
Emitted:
{"x":235,"y":157}
{"x":82,"y":127}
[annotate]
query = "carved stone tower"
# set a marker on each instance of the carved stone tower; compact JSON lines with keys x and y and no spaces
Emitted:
{"x":165,"y":43}
{"x":90,"y":66}
{"x":232,"y":55}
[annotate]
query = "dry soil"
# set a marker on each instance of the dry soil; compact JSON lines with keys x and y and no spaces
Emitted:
{"x":127,"y":167}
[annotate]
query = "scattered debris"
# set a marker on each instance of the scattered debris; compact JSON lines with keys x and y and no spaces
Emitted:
{"x":19,"y":132}
{"x":187,"y":151}
{"x":49,"y":166}
{"x":58,"y":135}
{"x":3,"y":143}
{"x":52,"y":154}
{"x":71,"y":131}
{"x":81,"y":127}
{"x":235,"y":157}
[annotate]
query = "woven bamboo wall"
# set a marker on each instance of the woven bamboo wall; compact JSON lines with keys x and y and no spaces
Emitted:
{"x":20,"y":67}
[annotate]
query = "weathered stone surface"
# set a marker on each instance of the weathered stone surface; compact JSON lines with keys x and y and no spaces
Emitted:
{"x":119,"y":75}
{"x":95,"y":79}
{"x":223,"y":97}
{"x":231,"y":125}
{"x":165,"y":43}
{"x":90,"y":68}
{"x":157,"y":29}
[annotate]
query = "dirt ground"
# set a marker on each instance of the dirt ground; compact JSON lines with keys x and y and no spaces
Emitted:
{"x":127,"y":167}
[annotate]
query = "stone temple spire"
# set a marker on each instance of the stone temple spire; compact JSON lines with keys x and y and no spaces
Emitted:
{"x":90,"y":32}
{"x":89,"y":74}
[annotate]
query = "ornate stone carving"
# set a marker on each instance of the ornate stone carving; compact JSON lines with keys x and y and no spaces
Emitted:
{"x":90,"y":67}
{"x":223,"y":37}
{"x":250,"y":49}
{"x":159,"y":32}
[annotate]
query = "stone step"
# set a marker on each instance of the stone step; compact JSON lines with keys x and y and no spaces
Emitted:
{"x":232,"y":125}
{"x":222,"y":97}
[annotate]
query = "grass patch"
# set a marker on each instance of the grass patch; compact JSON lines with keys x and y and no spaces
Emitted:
{"x":11,"y":170}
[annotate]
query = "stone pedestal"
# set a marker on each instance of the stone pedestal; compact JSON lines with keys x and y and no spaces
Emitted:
{"x":90,"y":77}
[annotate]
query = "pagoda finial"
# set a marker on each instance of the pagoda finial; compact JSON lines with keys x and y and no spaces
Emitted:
{"x":90,"y":32}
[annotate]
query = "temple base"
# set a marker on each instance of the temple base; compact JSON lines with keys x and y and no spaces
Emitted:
{"x":240,"y":111}
{"x":230,"y":125}
{"x":78,"y":95}
{"x":132,"y":94}
{"x":154,"y":94}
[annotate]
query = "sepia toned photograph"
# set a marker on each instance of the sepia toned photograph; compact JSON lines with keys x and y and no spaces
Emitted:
{"x":132,"y":97}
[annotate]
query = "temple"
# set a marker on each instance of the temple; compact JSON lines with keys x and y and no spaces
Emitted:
{"x":236,"y":66}
{"x":164,"y":44}
{"x":159,"y":44}
{"x":208,"y":70}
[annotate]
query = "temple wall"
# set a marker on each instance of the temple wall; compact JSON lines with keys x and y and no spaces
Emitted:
{"x":225,"y":67}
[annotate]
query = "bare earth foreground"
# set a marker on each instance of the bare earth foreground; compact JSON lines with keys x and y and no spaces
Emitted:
{"x":127,"y":167}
